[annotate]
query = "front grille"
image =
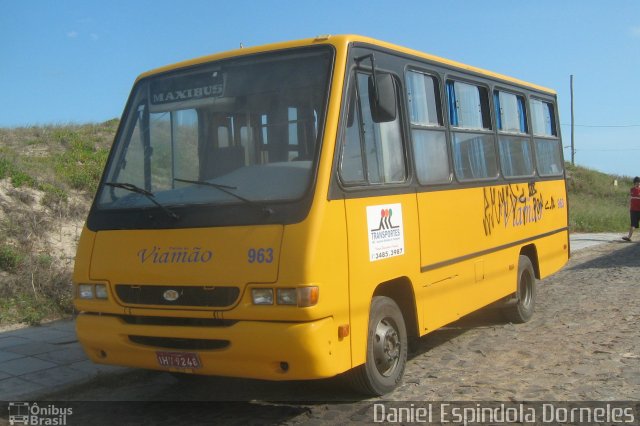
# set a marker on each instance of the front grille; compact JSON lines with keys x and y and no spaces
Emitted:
{"x":179,"y":343}
{"x":218,"y":297}
{"x":185,"y":322}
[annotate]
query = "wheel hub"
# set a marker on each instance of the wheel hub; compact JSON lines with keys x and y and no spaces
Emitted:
{"x":386,"y":348}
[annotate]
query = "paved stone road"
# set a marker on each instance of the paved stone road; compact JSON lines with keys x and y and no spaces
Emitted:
{"x":583,"y":343}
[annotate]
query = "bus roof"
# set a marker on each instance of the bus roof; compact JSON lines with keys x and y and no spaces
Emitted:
{"x":343,"y":41}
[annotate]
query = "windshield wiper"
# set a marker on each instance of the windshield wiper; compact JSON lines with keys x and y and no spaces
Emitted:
{"x":225,"y":188}
{"x":133,"y":188}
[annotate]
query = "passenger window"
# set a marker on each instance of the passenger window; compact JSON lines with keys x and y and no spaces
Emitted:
{"x":547,"y":145}
{"x":427,"y":133}
{"x":374,"y":153}
{"x":510,"y":112}
{"x":549,"y":157}
{"x":468,"y":106}
{"x":424,"y":99}
{"x":474,"y":154}
{"x":544,"y":123}
{"x":432,"y":156}
{"x":516,"y":155}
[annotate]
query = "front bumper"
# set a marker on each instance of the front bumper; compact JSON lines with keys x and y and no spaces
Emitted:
{"x":256,"y":349}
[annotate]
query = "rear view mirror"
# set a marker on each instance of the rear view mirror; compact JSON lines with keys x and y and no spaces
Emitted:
{"x":382,"y":97}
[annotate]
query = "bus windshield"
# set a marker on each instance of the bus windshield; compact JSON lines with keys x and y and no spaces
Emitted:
{"x":239,"y":131}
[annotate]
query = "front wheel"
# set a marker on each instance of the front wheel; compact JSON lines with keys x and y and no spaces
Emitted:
{"x":522,"y":310}
{"x":386,"y":349}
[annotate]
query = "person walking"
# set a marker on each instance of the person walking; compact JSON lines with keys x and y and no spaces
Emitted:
{"x":634,"y":207}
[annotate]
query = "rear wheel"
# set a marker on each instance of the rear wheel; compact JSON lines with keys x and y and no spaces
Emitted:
{"x":521,"y":310}
{"x":386,"y":349}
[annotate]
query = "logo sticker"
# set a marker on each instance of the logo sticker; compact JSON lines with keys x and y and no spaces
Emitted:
{"x":386,"y":231}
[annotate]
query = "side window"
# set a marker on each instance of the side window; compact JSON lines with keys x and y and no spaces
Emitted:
{"x":424,"y":99}
{"x":514,"y":145}
{"x":372,"y":152}
{"x":474,"y":155}
{"x":510,"y":112}
{"x":468,"y":106}
{"x":544,"y":123}
{"x":427,"y":131}
{"x":351,"y":162}
{"x":548,"y":157}
{"x":132,"y":166}
{"x":547,"y":144}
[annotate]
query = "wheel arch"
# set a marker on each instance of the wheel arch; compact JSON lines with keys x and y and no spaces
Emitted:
{"x":401,"y":291}
{"x":532,"y":253}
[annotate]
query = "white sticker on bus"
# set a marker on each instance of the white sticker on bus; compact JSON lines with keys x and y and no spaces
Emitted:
{"x":386,"y":231}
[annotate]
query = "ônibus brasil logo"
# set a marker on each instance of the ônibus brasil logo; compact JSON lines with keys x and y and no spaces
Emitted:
{"x":28,"y":414}
{"x":385,"y":220}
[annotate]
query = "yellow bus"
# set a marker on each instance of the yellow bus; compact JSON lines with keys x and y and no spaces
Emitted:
{"x":301,"y":210}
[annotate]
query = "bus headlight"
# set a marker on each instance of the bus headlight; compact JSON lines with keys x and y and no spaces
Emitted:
{"x":101,"y":291}
{"x":262,"y":296}
{"x":92,"y":291}
{"x":301,"y":297}
{"x":287,"y":296}
{"x":85,"y":291}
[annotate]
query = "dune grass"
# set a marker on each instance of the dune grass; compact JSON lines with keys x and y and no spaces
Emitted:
{"x":596,"y":204}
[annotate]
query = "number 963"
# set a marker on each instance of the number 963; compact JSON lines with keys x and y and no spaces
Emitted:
{"x":261,"y":255}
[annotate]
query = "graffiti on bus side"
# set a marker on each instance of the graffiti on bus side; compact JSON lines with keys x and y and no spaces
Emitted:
{"x":516,"y":205}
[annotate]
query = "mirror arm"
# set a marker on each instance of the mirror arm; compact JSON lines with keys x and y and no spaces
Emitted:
{"x":371,"y":58}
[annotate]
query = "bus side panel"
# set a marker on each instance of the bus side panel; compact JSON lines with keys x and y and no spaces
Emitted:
{"x":553,"y":253}
{"x":376,"y":231}
{"x":470,"y":240}
{"x":457,"y":290}
{"x":446,"y":231}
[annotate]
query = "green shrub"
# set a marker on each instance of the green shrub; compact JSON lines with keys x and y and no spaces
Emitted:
{"x":81,"y":165}
{"x":5,"y":166}
{"x":10,"y":259}
{"x":26,"y":308}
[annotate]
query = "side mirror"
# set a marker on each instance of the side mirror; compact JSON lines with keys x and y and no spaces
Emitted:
{"x":382,"y":97}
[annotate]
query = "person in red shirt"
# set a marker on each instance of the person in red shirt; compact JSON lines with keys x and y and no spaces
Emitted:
{"x":634,"y":207}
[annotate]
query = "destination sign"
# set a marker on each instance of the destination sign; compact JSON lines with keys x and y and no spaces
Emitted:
{"x":187,"y":88}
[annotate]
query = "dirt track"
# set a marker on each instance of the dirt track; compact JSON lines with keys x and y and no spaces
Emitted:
{"x":582,"y":344}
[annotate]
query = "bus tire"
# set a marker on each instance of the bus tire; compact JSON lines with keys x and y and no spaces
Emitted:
{"x":522,"y":310}
{"x":386,"y":350}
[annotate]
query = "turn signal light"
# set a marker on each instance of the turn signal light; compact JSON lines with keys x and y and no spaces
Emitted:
{"x":308,"y":296}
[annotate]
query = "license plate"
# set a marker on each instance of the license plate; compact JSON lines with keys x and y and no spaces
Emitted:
{"x":182,"y":360}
